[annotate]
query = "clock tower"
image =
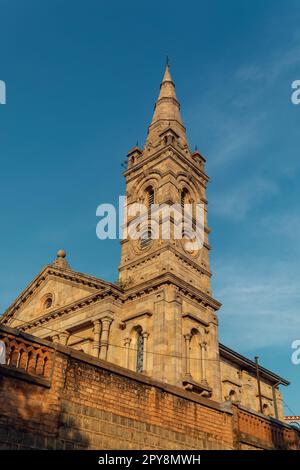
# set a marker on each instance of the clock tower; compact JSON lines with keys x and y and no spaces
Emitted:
{"x":163,"y":175}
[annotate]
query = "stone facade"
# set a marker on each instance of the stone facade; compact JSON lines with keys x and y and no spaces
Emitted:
{"x":54,"y":397}
{"x":160,"y":319}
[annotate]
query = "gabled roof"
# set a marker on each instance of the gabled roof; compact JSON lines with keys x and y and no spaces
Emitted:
{"x":80,"y":279}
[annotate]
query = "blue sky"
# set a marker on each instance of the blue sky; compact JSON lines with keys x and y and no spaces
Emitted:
{"x":82,"y":79}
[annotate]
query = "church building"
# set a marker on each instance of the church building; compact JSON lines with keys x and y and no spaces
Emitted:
{"x":160,"y":319}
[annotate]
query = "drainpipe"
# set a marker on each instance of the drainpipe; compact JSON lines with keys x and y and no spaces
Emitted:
{"x":258,"y":384}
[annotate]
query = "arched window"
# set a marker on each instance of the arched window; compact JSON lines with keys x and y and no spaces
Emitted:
{"x":139,"y":350}
{"x":2,"y":352}
{"x":146,"y":236}
{"x":149,"y":197}
{"x":195,"y":356}
{"x":188,"y":211}
{"x":184,"y":198}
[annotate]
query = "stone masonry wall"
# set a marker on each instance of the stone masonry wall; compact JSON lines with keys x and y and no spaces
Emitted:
{"x":78,"y":402}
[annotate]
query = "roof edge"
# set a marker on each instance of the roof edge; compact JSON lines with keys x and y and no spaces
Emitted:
{"x":248,"y":363}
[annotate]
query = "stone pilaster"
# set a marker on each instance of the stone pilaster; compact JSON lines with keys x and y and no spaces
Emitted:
{"x":96,"y":342}
{"x":104,"y":341}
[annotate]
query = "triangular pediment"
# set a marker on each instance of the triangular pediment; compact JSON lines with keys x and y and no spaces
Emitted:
{"x":52,"y":288}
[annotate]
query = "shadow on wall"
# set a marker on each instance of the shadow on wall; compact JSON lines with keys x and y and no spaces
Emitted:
{"x":31,"y":418}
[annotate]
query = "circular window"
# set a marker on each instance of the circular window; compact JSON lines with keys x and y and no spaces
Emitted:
{"x":48,"y":301}
{"x":190,"y":243}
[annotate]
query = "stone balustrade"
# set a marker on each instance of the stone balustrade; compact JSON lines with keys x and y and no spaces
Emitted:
{"x":27,"y":356}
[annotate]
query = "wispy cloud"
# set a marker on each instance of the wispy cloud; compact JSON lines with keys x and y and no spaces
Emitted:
{"x":260,"y":305}
{"x":273,"y":67}
{"x":284,"y":224}
{"x":237,"y":200}
{"x":236,"y":136}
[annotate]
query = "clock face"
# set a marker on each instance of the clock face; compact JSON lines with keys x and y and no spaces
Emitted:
{"x":143,"y":243}
{"x":145,"y":240}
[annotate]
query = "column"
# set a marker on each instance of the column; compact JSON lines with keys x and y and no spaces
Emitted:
{"x":106,"y":322}
{"x":63,"y":338}
{"x":145,"y":336}
{"x":96,"y":342}
{"x":127,"y":342}
{"x":203,"y":360}
{"x":55,"y":338}
{"x":187,"y":338}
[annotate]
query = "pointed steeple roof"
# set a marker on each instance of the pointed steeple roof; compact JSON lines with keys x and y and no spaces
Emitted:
{"x":167,"y":106}
{"x":167,"y":110}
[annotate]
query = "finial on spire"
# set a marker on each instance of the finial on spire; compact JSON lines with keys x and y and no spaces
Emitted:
{"x":167,"y":75}
{"x":167,"y":60}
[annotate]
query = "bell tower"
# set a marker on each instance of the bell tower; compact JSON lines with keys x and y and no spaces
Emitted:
{"x":166,"y":277}
{"x":166,"y":173}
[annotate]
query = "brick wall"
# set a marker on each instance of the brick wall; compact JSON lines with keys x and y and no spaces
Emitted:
{"x":76,"y":401}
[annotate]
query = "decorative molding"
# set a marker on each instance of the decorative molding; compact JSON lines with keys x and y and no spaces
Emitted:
{"x":134,"y":317}
{"x":167,"y":247}
{"x":232,"y":382}
{"x":72,"y":307}
{"x":195,"y":318}
{"x":164,"y":153}
{"x":201,"y":388}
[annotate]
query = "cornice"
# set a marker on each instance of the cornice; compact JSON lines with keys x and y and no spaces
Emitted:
{"x":196,"y":319}
{"x":155,"y":253}
{"x":134,"y":317}
{"x":232,"y":381}
{"x":148,"y":159}
{"x":183,"y":287}
{"x":131,"y":294}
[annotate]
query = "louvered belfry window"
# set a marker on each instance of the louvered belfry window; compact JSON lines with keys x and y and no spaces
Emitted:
{"x":183,"y":198}
{"x":140,"y":353}
{"x":149,"y":197}
{"x":149,"y":201}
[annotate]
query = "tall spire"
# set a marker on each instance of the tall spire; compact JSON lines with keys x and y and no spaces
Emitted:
{"x":167,"y":110}
{"x":167,"y":106}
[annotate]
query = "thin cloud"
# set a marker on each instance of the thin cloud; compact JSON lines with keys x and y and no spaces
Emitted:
{"x":260,"y":308}
{"x":236,"y":201}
